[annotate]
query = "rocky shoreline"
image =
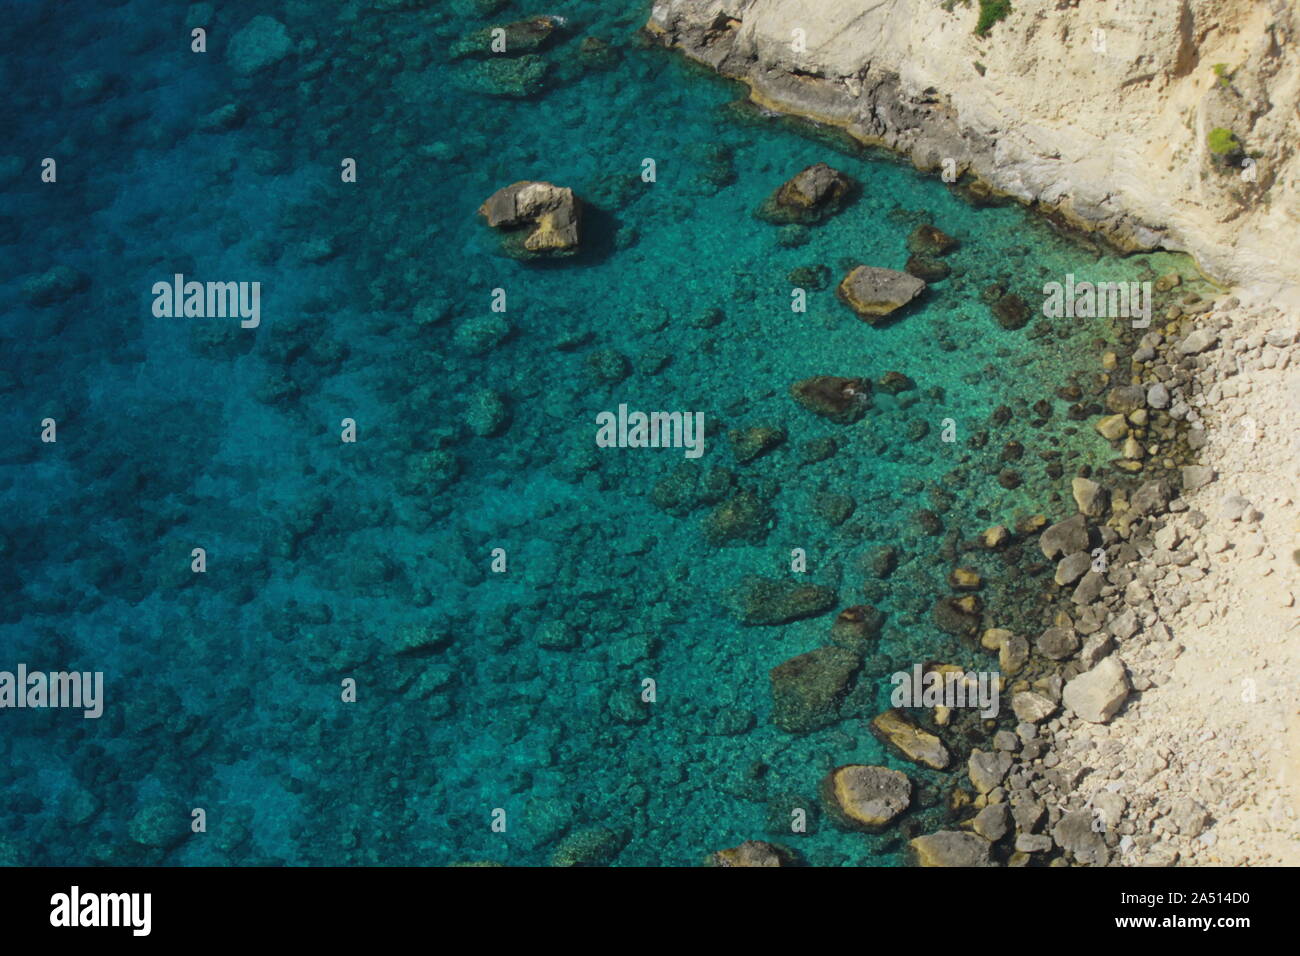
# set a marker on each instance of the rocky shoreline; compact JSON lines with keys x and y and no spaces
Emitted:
{"x":1153,"y":724}
{"x":1013,"y":114}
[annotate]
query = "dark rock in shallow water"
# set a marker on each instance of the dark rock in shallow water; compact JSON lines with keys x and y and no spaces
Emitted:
{"x":765,"y":601}
{"x":550,"y":214}
{"x":749,"y":443}
{"x":815,"y":194}
{"x":1011,"y":311}
{"x":842,"y":400}
{"x":857,"y":628}
{"x":816,"y":278}
{"x":807,"y":690}
{"x":517,"y":78}
{"x":689,"y":487}
{"x":927,"y":268}
{"x":873,"y":293}
{"x":752,"y":853}
{"x":895,"y":383}
{"x":927,"y":240}
{"x":55,"y":285}
{"x":591,"y":846}
{"x":522,"y":36}
{"x":959,"y":616}
{"x":743,"y":517}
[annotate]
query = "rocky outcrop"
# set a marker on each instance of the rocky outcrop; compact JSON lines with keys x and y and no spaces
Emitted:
{"x":860,"y":797}
{"x":816,"y":193}
{"x":1106,"y":119}
{"x":874,"y":293}
{"x":547,"y":216}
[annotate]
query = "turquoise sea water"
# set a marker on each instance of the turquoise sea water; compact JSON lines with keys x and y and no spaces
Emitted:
{"x":373,"y":560}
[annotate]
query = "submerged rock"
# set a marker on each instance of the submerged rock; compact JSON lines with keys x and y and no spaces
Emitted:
{"x":262,"y":43}
{"x":522,"y":36}
{"x":814,"y":194}
{"x":752,"y":853}
{"x":1011,"y":311}
{"x":549,"y":213}
{"x":754,"y":441}
{"x":860,"y":797}
{"x":590,"y":846}
{"x":856,"y":628}
{"x":927,"y":240}
{"x":760,"y":601}
{"x":842,"y":400}
{"x":512,"y":78}
{"x":807,"y":690}
{"x":745,"y":516}
{"x":873,"y":293}
{"x":927,"y":268}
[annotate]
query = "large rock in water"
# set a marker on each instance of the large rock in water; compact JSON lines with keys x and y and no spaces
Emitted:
{"x":860,"y":797}
{"x":1097,"y":695}
{"x":765,"y":601}
{"x":549,"y":214}
{"x":951,"y":848}
{"x":807,"y":690}
{"x":874,"y":293}
{"x":842,"y":400}
{"x":897,"y":730}
{"x":816,"y":193}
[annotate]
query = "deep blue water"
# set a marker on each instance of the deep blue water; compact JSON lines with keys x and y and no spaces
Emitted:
{"x":223,"y":689}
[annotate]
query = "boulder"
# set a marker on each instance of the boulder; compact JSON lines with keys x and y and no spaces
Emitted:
{"x":546,"y":215}
{"x":1097,"y":695}
{"x":1091,"y":497}
{"x":987,"y":769}
{"x":1031,"y":706}
{"x":897,"y":730}
{"x":951,"y":848}
{"x":807,"y":690}
{"x":860,"y":797}
{"x":873,"y":293}
{"x":1064,"y":537}
{"x":842,"y":400}
{"x":812,"y":195}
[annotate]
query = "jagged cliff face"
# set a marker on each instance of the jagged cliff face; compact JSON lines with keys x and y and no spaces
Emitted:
{"x":1102,"y":113}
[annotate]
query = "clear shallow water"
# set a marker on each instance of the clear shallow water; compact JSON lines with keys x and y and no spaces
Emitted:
{"x":223,"y":688}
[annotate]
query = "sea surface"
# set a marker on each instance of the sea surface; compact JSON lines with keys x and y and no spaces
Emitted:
{"x":492,"y":588}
